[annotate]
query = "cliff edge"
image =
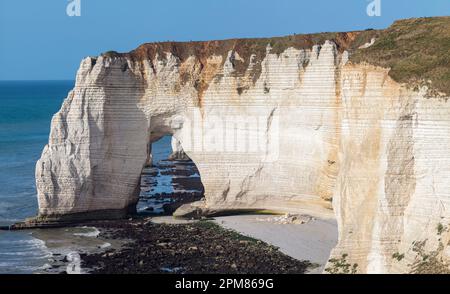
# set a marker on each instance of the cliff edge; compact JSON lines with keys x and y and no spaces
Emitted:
{"x":353,"y":126}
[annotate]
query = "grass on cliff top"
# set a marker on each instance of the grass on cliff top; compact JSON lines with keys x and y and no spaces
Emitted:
{"x":417,"y":51}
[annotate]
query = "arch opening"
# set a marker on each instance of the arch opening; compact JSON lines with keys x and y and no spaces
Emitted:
{"x":169,"y":179}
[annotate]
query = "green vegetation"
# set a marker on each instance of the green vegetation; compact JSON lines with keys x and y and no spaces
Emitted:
{"x":428,"y":262}
{"x":227,"y":212}
{"x":265,"y":212}
{"x":210,"y":225}
{"x":111,"y":54}
{"x":398,"y":256}
{"x":417,"y":51}
{"x":440,"y":228}
{"x":341,"y":266}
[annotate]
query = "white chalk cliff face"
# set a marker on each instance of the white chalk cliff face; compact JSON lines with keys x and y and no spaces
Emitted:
{"x":323,"y":137}
{"x":177,"y":150}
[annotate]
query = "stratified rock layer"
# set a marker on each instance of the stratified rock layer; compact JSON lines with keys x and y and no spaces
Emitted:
{"x":322,"y":136}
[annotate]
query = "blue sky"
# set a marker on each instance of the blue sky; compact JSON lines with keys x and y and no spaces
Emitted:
{"x":39,"y":41}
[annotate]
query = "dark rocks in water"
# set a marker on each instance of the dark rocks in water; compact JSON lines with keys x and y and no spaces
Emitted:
{"x":178,"y":156}
{"x":189,"y":184}
{"x":153,"y":172}
{"x":188,"y":188}
{"x":188,"y":211}
{"x":169,"y":208}
{"x":201,"y":247}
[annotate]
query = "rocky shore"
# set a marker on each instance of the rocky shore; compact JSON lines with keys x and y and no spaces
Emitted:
{"x":197,"y":247}
{"x":153,"y":241}
{"x":167,"y":185}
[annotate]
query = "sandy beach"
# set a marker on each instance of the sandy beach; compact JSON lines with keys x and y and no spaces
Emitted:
{"x":311,"y":241}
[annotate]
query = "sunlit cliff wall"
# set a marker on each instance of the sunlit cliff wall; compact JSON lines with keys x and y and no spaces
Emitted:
{"x":332,"y":138}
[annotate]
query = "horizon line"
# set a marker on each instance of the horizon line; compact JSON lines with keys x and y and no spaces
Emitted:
{"x":37,"y":80}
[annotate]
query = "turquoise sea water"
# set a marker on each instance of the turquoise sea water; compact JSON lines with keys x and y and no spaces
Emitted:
{"x":26,"y":109}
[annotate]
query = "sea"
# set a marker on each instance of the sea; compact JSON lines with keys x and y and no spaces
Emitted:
{"x":26,"y":109}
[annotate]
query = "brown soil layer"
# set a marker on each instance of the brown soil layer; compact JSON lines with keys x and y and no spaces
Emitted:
{"x":201,"y":247}
{"x":416,"y":50}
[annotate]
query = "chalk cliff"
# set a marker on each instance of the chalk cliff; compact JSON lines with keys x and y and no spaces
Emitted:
{"x":177,"y":151}
{"x":289,"y":124}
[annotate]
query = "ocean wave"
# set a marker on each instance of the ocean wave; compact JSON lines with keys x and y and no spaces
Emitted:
{"x":93,"y":233}
{"x":32,"y":242}
{"x":22,"y":253}
{"x":105,"y":245}
{"x":27,"y":253}
{"x":11,"y":267}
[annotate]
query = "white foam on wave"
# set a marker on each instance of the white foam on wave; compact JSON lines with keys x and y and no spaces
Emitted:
{"x":105,"y":245}
{"x":46,"y":266}
{"x":94,"y":233}
{"x":74,"y":265}
{"x":22,"y":253}
{"x":32,"y":242}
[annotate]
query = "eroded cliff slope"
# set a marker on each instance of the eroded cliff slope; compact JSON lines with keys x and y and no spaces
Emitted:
{"x":286,"y":124}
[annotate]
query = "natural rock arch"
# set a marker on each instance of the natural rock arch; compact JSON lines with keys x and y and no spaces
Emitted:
{"x":333,"y":134}
{"x":97,"y":146}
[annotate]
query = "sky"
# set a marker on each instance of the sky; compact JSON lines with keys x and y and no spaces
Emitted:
{"x":40,"y":41}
